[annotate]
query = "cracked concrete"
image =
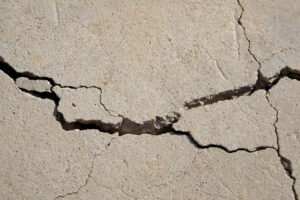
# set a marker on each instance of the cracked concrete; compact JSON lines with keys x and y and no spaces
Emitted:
{"x":149,"y":100}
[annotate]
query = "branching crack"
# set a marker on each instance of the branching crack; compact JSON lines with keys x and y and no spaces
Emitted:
{"x":89,"y":175}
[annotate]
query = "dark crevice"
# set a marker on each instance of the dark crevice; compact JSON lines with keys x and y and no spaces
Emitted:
{"x":157,"y":126}
{"x":261,"y":83}
{"x":199,"y":146}
{"x":12,"y":73}
{"x":214,"y":98}
{"x":43,"y":95}
{"x":82,"y":124}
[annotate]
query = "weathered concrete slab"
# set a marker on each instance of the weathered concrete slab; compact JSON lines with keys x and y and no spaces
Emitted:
{"x":245,"y":122}
{"x":285,"y":97}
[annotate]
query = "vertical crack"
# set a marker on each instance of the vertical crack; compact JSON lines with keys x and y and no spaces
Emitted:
{"x":261,"y":80}
{"x":286,"y":163}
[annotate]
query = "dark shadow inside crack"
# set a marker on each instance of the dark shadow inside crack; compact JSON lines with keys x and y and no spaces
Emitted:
{"x":214,"y":98}
{"x":261,"y":83}
{"x":82,"y":124}
{"x":13,"y":74}
{"x":43,"y":95}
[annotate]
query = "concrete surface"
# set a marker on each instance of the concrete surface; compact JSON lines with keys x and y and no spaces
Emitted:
{"x":149,"y":99}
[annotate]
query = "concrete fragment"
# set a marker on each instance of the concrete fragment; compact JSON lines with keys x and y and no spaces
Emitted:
{"x":148,"y":57}
{"x":285,"y":97}
{"x":33,"y":85}
{"x":169,"y":167}
{"x":273,"y":28}
{"x":83,"y":104}
{"x":245,"y":122}
{"x":38,"y":159}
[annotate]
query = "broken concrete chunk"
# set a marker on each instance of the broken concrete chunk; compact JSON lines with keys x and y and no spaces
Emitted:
{"x":148,"y":57}
{"x":273,"y":28}
{"x":169,"y":167}
{"x":38,"y":159}
{"x":33,"y":85}
{"x":84,"y":105}
{"x":285,"y":97}
{"x":245,"y":122}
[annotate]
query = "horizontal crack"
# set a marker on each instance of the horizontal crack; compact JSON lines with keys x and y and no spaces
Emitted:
{"x":199,"y":146}
{"x":157,"y":126}
{"x":265,"y":84}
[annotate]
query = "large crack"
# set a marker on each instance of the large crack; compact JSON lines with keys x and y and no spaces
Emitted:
{"x":157,"y":126}
{"x":245,"y":90}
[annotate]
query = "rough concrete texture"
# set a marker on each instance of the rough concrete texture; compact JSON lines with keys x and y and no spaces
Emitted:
{"x":160,"y":46}
{"x":245,"y":122}
{"x":285,"y":98}
{"x":83,"y":104}
{"x":169,"y":167}
{"x":273,"y":27}
{"x":136,"y":99}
